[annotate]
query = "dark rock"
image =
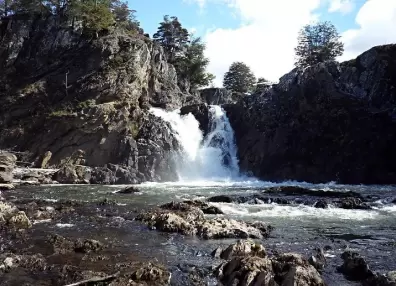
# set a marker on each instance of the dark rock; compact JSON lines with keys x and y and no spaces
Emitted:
{"x":353,"y":203}
{"x":217,"y":96}
{"x":62,"y":245}
{"x":222,"y":199}
{"x":341,"y":114}
{"x":318,"y":260}
{"x":129,"y":190}
{"x":321,"y":204}
{"x":201,"y":114}
{"x":355,"y":267}
{"x":298,"y":191}
{"x":73,"y":174}
{"x":206,"y":208}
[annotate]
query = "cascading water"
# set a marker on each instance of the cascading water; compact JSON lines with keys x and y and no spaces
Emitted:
{"x":212,"y":158}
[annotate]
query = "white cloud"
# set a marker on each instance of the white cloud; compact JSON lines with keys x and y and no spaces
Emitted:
{"x":377,"y":26}
{"x":269,"y":30}
{"x":266,"y":39}
{"x":343,"y":6}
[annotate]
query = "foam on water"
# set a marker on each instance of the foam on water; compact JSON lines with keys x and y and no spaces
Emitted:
{"x":300,"y":211}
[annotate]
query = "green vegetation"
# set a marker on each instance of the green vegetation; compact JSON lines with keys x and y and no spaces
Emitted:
{"x":172,"y":36}
{"x":318,"y":43}
{"x":239,"y":78}
{"x":186,"y":53}
{"x":85,"y":104}
{"x":60,"y":113}
{"x":192,"y":64}
{"x":95,"y":15}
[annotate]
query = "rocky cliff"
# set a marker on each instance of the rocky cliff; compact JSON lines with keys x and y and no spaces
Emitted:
{"x":329,"y":122}
{"x":74,"y":100}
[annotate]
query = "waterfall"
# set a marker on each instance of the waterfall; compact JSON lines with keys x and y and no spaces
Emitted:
{"x":212,"y":158}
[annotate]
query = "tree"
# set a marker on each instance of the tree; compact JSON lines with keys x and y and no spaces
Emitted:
{"x":192,"y":64}
{"x":124,"y":16}
{"x":318,"y":43}
{"x":172,"y":36}
{"x":239,"y":78}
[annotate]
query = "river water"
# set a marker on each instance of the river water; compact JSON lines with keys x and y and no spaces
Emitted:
{"x":208,"y":167}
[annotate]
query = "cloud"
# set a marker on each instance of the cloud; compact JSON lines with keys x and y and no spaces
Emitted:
{"x":265,"y":40}
{"x":376,"y":22}
{"x":269,"y":29}
{"x":343,"y":6}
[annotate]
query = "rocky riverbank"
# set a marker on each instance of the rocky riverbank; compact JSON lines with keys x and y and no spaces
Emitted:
{"x":41,"y":245}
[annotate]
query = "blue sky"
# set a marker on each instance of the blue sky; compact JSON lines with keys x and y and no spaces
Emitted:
{"x":216,"y":15}
{"x":263,"y":33}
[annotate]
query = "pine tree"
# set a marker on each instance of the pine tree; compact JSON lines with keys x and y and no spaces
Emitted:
{"x":124,"y":16}
{"x":239,"y":78}
{"x":172,"y":36}
{"x":192,"y":64}
{"x":318,"y":43}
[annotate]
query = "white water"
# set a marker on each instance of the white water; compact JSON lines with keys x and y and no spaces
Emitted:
{"x":213,"y":158}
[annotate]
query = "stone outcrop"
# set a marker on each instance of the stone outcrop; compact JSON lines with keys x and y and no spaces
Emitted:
{"x":188,"y":219}
{"x":328,"y":122}
{"x":216,"y":96}
{"x":84,"y":101}
{"x":247,"y":268}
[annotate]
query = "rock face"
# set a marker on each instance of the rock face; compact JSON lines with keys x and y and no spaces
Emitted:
{"x":216,"y":96}
{"x":329,"y":122}
{"x":85,"y":101}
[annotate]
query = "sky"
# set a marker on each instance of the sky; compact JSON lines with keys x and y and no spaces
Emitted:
{"x":263,"y":33}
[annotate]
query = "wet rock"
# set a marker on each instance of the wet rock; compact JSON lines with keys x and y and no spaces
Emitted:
{"x":129,"y":190}
{"x":62,"y":245}
{"x":240,"y":248}
{"x":34,"y":262}
{"x":355,"y":267}
{"x":189,"y":220}
{"x":293,"y":269}
{"x":318,"y":260}
{"x":87,"y":246}
{"x":388,"y":279}
{"x":352,"y":203}
{"x":7,"y":164}
{"x":321,"y":204}
{"x":201,"y":114}
{"x":19,"y":220}
{"x":219,"y":228}
{"x":73,"y":174}
{"x":205,"y":207}
{"x":246,"y":271}
{"x":107,"y":202}
{"x":6,"y":187}
{"x":222,"y":199}
{"x":299,"y":191}
{"x":142,"y":275}
{"x":167,"y":222}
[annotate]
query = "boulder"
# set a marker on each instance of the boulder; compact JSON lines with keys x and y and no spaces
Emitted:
{"x":188,"y":218}
{"x":220,"y":228}
{"x":318,"y":259}
{"x":355,"y":267}
{"x":7,"y":165}
{"x":240,"y":248}
{"x":72,"y":174}
{"x":129,"y":190}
